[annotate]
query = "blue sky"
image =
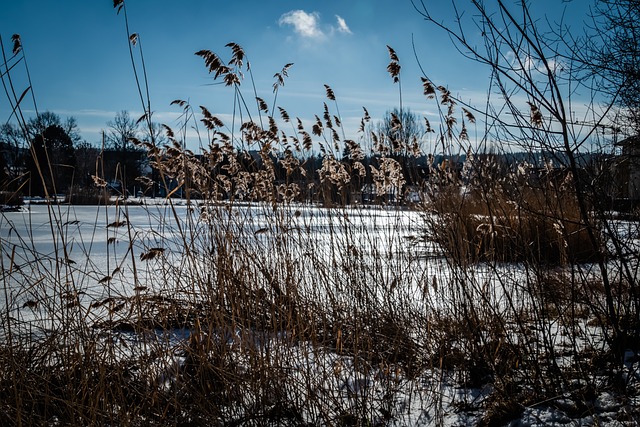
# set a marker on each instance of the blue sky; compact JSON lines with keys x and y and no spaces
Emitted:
{"x":78,"y":57}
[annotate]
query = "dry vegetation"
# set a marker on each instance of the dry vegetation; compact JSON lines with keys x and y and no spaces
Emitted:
{"x":243,"y":305}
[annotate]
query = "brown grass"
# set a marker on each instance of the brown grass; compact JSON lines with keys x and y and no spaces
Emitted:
{"x":533,"y":225}
{"x":250,"y":307}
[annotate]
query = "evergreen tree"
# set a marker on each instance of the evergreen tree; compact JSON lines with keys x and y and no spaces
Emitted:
{"x":51,"y":162}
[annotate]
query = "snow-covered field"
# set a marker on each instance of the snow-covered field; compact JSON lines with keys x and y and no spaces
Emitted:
{"x":93,"y":241}
{"x":88,"y":260}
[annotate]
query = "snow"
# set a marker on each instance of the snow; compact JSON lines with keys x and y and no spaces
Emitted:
{"x":406,"y":271}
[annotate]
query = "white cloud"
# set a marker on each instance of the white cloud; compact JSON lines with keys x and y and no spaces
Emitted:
{"x":532,"y":64}
{"x":342,"y":25}
{"x":305,"y":24}
{"x":308,"y":24}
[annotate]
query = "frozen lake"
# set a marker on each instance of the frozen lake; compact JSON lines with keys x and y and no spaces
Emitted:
{"x":68,"y":256}
{"x":89,"y":253}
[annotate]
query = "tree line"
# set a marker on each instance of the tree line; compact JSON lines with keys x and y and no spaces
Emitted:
{"x":50,"y":157}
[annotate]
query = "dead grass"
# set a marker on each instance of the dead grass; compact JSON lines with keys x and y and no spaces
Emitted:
{"x":248,"y":307}
{"x":533,"y":226}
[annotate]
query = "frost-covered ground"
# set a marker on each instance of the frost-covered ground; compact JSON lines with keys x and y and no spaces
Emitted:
{"x":99,"y":254}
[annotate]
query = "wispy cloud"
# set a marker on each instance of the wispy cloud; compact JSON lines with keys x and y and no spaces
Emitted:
{"x":530,"y":64}
{"x":305,"y":24}
{"x":309,"y":25}
{"x":342,"y":25}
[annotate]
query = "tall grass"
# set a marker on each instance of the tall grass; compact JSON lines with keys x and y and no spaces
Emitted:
{"x":244,"y":304}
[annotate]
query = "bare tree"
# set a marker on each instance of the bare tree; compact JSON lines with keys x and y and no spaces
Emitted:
{"x":532,"y":104}
{"x":124,"y":161}
{"x":400,"y":132}
{"x":612,"y":52}
{"x":120,"y":132}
